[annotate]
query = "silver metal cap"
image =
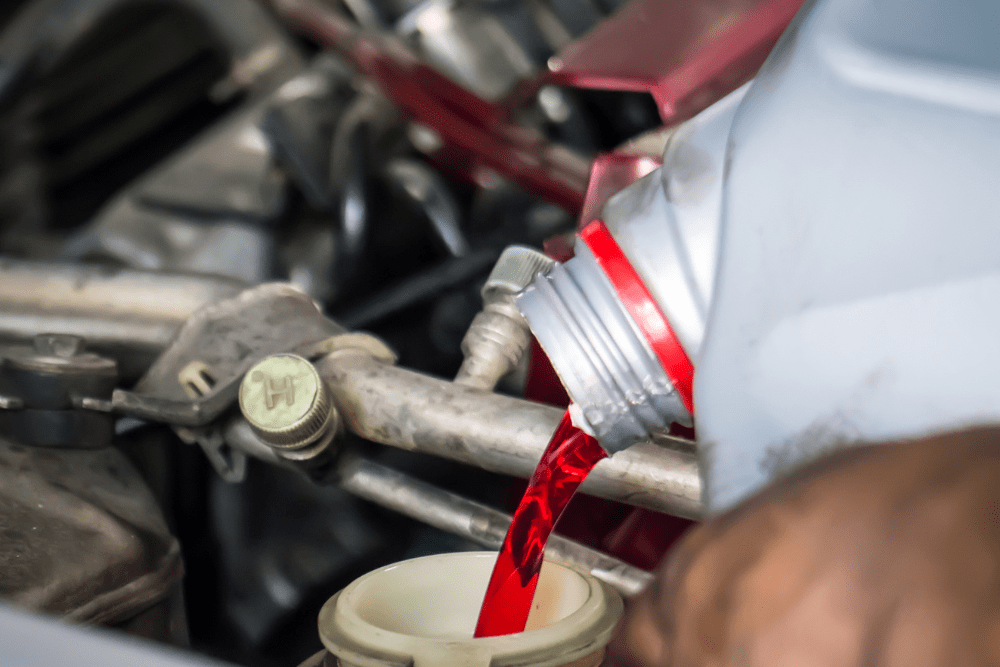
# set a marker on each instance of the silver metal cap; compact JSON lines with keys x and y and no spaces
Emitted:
{"x":515,"y":269}
{"x":286,"y":402}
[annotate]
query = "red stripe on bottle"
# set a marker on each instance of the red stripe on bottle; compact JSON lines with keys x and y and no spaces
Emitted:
{"x":642,"y":308}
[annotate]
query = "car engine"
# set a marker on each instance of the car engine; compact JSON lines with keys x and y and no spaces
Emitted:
{"x":400,"y":221}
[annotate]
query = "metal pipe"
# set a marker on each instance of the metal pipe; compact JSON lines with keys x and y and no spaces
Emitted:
{"x":398,"y":407}
{"x":129,"y":315}
{"x":474,"y":521}
{"x":132,"y":315}
{"x":445,"y":510}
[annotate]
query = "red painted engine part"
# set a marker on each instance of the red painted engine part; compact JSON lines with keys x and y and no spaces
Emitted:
{"x":687,"y":54}
{"x":474,"y":127}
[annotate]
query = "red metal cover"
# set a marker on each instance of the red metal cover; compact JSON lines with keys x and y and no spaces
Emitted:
{"x":687,"y":54}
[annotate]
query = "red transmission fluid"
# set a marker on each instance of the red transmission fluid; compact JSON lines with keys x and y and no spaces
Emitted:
{"x":569,"y":457}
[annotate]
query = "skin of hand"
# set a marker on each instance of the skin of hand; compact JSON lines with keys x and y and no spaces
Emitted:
{"x":880,"y":555}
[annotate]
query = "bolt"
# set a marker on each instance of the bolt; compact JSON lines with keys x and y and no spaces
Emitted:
{"x":62,"y":354}
{"x":64,"y":346}
{"x":288,"y":406}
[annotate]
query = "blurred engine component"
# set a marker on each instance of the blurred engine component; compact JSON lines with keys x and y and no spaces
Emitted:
{"x":126,"y":315}
{"x":98,"y":91}
{"x":85,"y":539}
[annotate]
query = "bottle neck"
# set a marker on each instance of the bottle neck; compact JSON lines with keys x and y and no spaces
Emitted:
{"x":600,"y":354}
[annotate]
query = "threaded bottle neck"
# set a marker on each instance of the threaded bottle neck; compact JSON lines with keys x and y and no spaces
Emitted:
{"x":599,"y":353}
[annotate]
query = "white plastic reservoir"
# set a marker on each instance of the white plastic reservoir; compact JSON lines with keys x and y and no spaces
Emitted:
{"x":423,"y":612}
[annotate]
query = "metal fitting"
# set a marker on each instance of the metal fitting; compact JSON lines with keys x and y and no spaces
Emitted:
{"x":288,"y":406}
{"x":515,"y":269}
{"x":499,"y":335}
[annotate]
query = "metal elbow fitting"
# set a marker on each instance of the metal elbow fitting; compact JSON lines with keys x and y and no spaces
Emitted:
{"x":499,"y":335}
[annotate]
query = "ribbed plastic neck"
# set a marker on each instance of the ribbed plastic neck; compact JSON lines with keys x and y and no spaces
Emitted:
{"x":601,"y":356}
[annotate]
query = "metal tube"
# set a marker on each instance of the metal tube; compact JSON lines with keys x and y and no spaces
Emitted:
{"x":445,"y":510}
{"x":132,"y":316}
{"x":474,"y":521}
{"x":405,"y":409}
{"x":129,"y":315}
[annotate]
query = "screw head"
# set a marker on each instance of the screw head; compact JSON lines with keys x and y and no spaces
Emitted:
{"x":286,"y":402}
{"x":62,"y":354}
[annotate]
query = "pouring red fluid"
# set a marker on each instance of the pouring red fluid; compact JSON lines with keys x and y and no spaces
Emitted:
{"x":569,"y":457}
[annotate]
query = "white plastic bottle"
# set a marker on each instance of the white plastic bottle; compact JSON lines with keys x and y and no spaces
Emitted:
{"x":824,"y":245}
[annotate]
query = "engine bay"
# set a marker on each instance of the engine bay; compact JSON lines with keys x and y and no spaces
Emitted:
{"x":373,"y":215}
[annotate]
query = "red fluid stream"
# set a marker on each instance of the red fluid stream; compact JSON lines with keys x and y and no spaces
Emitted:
{"x":569,"y":457}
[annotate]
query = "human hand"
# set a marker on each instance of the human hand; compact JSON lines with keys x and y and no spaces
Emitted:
{"x":884,"y":555}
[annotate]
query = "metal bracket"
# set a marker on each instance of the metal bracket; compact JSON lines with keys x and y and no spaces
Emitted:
{"x":197,"y":378}
{"x":222,"y":340}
